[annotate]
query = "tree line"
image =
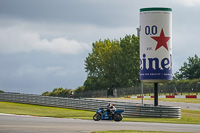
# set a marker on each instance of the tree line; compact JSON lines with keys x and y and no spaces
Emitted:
{"x":115,"y":64}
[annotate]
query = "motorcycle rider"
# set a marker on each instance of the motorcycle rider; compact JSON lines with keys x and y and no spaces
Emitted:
{"x":110,"y":109}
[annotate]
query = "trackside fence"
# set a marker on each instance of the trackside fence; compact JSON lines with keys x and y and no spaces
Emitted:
{"x":148,"y":90}
{"x":130,"y":109}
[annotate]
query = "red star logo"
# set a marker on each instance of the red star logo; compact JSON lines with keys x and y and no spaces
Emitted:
{"x":161,"y":40}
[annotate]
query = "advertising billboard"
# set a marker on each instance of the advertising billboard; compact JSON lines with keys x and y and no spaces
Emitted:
{"x":155,"y":45}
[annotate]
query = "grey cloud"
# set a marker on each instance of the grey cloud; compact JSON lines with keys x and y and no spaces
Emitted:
{"x":102,"y":13}
{"x":39,"y":72}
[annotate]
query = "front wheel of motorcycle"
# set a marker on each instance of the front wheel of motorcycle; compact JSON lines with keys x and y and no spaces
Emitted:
{"x":97,"y":117}
{"x":118,"y":117}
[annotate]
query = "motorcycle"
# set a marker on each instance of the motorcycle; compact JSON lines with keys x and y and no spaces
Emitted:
{"x":104,"y":114}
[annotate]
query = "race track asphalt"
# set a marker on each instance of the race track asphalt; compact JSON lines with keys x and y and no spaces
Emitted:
{"x":31,"y":124}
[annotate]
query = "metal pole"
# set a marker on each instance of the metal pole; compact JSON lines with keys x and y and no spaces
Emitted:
{"x":155,"y":94}
{"x":198,"y":87}
{"x":142,"y":92}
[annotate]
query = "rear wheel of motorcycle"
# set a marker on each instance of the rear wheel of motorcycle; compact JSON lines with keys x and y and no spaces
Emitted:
{"x":118,"y":117}
{"x":97,"y":117}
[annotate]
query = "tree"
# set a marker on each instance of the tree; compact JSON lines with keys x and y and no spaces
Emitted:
{"x":113,"y":64}
{"x":129,"y":61}
{"x":190,"y":70}
{"x":100,"y":64}
{"x":58,"y":92}
{"x":46,"y":93}
{"x":79,"y":89}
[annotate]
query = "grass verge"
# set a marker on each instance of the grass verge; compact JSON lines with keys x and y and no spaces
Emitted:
{"x":188,"y":116}
{"x":133,"y":131}
{"x":36,"y":110}
{"x":184,"y":100}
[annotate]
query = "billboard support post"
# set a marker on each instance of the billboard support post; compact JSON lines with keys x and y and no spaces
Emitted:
{"x":142,"y":93}
{"x":155,"y":94}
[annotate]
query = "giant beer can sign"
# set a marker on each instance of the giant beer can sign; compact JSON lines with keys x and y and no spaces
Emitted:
{"x":155,"y":45}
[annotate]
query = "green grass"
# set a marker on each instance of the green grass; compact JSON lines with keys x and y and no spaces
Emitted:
{"x":184,"y":100}
{"x":188,"y":116}
{"x":36,"y":110}
{"x":133,"y":131}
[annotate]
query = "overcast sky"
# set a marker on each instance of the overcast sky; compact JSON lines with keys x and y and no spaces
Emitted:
{"x":43,"y":43}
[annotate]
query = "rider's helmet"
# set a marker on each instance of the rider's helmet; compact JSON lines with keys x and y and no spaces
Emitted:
{"x":110,"y":105}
